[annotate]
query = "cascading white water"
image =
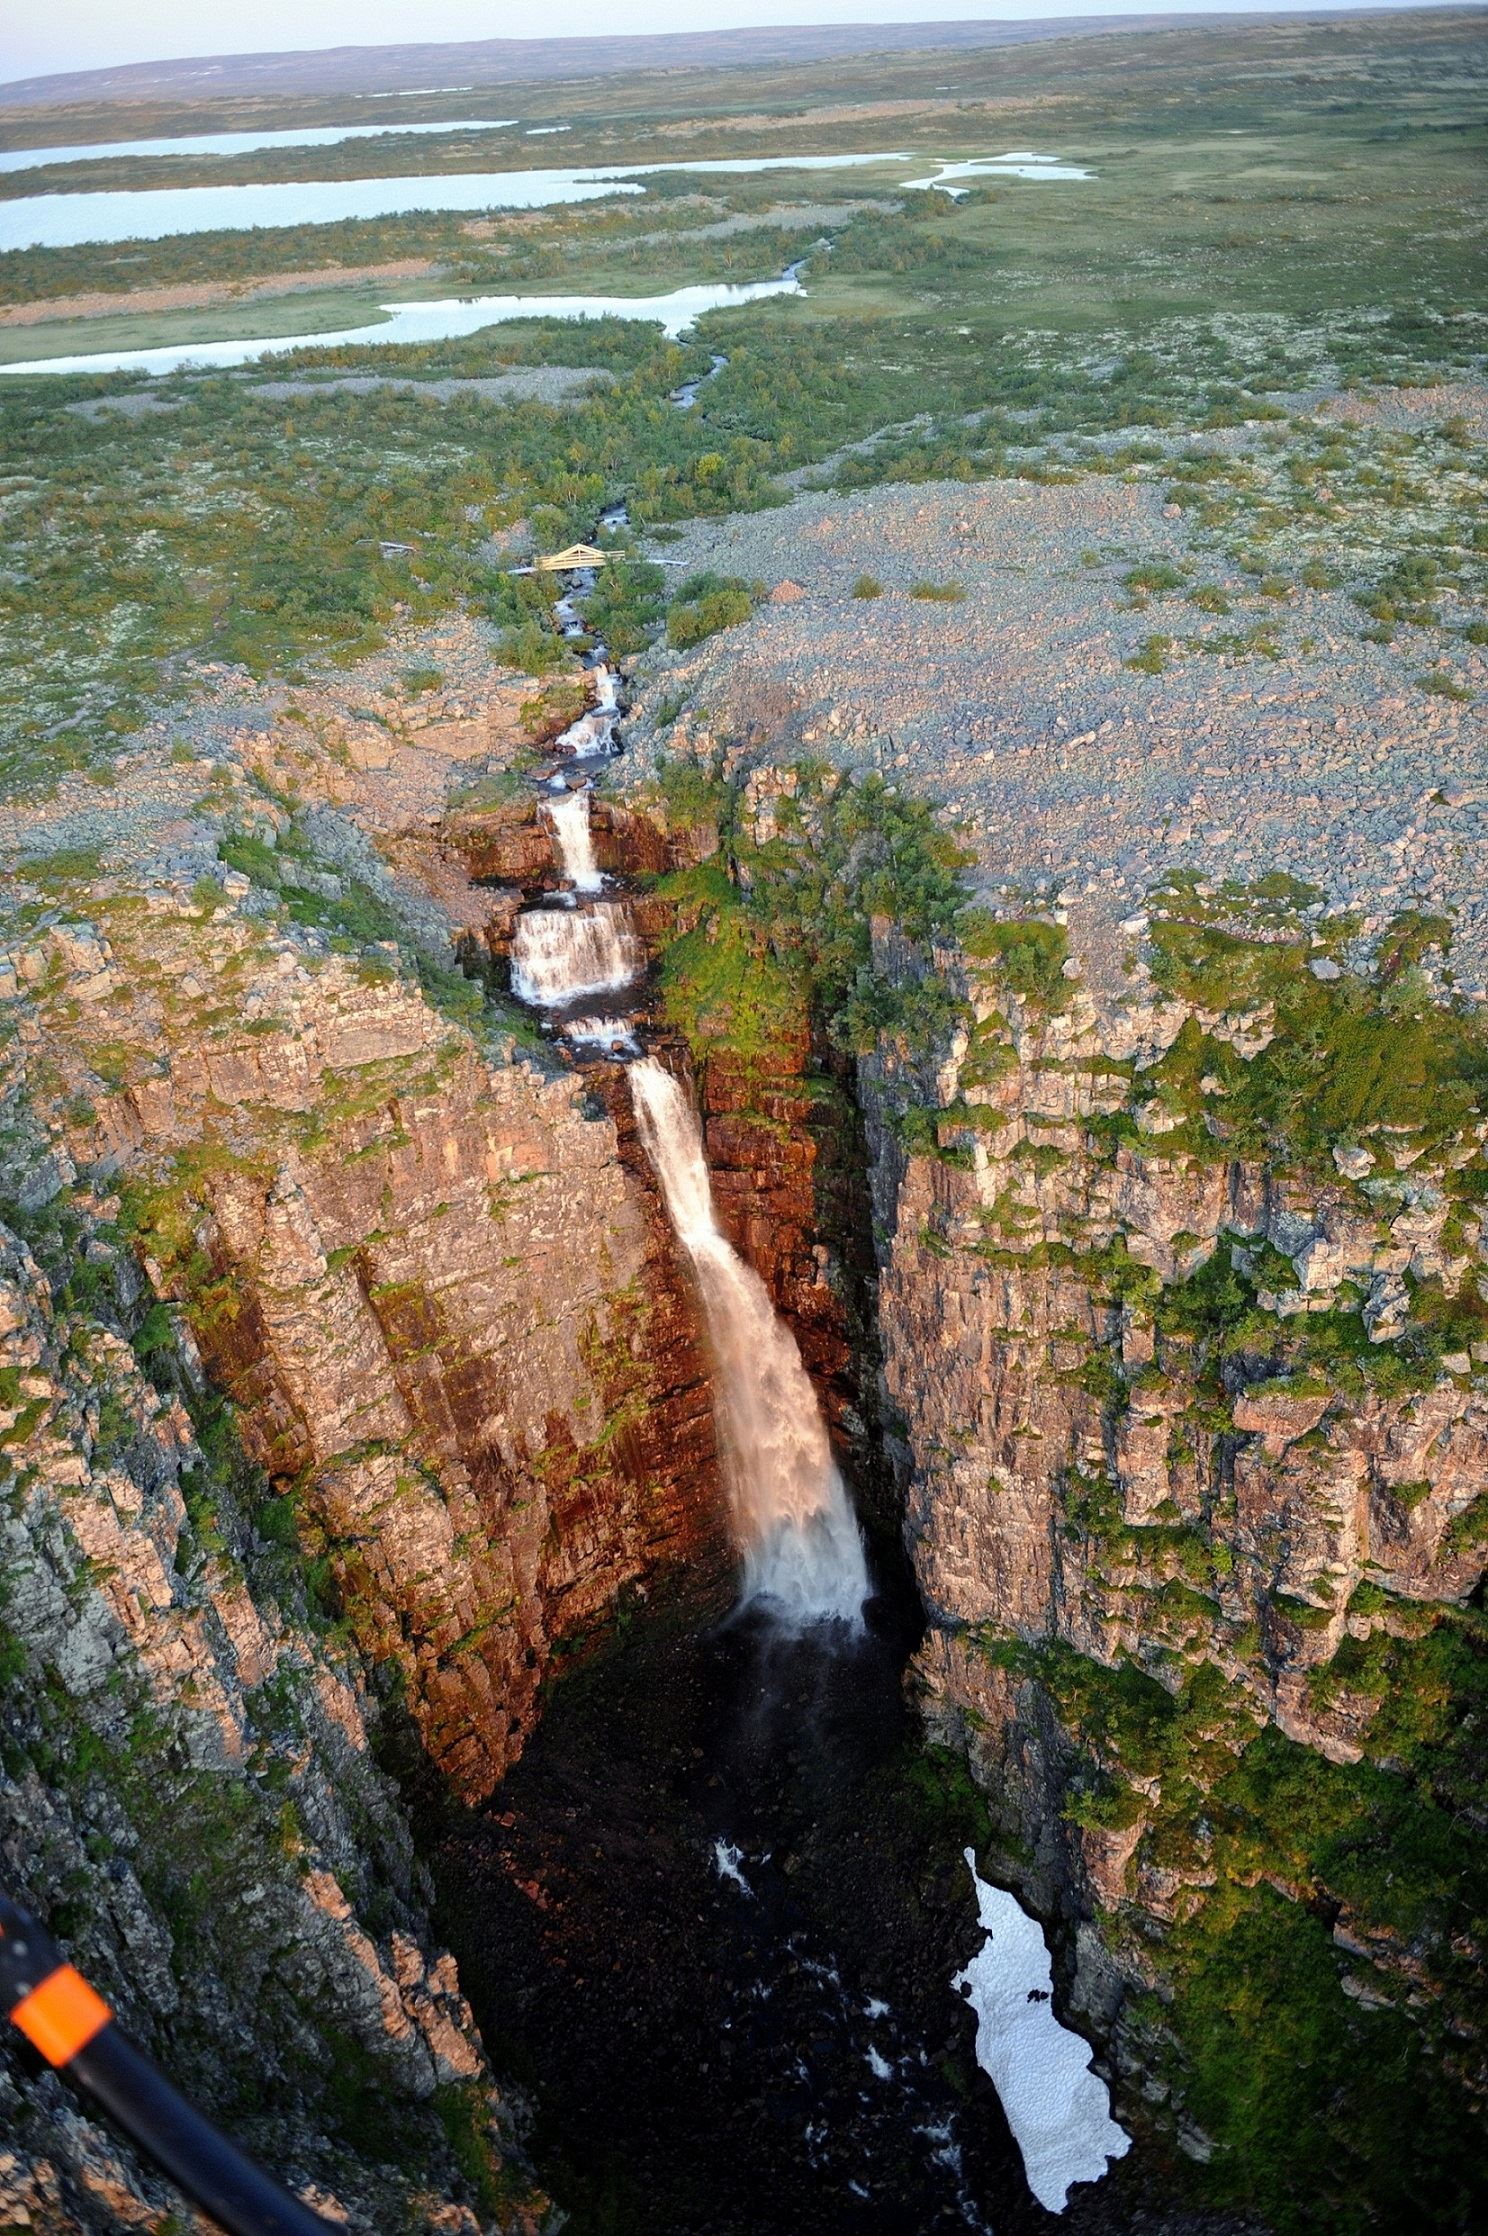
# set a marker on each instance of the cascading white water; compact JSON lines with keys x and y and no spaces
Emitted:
{"x":802,"y":1553}
{"x":611,"y":1033}
{"x":592,"y":734}
{"x":559,"y":955}
{"x":569,"y":815}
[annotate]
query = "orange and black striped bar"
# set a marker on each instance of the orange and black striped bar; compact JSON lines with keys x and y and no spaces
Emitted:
{"x":69,"y":2024}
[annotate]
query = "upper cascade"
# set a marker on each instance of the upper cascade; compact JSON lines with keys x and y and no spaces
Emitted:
{"x":803,"y":1556}
{"x":560,"y":955}
{"x":568,"y":812}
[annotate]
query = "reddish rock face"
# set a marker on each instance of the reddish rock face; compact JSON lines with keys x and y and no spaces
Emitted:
{"x":785,"y":1152}
{"x":766,"y":1160}
{"x":509,"y":845}
{"x":470,"y":1345}
{"x":115,"y":1600}
{"x":1091,"y":1474}
{"x":443,"y":1301}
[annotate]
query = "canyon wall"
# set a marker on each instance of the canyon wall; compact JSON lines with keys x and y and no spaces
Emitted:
{"x":351,"y":1384}
{"x":1184,"y":1325}
{"x":414,"y":1259}
{"x":190,"y":1797}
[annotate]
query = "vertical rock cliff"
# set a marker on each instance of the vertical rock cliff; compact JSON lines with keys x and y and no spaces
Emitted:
{"x":414,"y":1259}
{"x":190,"y":1795}
{"x":354,"y":1385}
{"x":1184,"y":1312}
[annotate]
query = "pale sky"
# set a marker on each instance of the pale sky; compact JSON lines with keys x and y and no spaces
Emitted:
{"x":93,"y":34}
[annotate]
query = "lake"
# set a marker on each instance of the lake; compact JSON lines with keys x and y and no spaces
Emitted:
{"x":429,"y":322}
{"x":233,"y":143}
{"x":149,"y":214}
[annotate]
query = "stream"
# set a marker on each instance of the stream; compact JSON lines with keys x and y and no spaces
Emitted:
{"x":722,"y":1917}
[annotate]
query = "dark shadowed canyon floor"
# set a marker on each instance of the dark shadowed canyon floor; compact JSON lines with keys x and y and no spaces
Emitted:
{"x":779,"y":2050}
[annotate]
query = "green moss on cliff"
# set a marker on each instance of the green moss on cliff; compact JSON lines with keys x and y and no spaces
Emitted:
{"x":778,"y":929}
{"x":1324,"y":1964}
{"x":1352,"y":1052}
{"x":724,"y":989}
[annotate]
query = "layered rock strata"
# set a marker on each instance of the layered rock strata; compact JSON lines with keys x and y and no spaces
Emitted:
{"x":1194,"y":1439}
{"x":190,"y":1796}
{"x":417,"y":1263}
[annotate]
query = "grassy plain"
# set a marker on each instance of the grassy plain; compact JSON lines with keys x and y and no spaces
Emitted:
{"x":1274,"y":208}
{"x":315,"y":311}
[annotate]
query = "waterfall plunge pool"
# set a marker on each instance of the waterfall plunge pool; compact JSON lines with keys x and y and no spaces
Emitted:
{"x":711,"y":1919}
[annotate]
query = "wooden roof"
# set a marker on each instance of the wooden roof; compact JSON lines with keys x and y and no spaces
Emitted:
{"x":577,"y":555}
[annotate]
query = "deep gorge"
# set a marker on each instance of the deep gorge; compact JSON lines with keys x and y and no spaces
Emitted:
{"x":1152,"y":1584}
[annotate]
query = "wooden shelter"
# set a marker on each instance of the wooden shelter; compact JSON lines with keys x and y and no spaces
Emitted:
{"x":565,"y":562}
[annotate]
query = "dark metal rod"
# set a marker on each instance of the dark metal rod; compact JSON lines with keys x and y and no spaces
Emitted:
{"x":64,"y":2018}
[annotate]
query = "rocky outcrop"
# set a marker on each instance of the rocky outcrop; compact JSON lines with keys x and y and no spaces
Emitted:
{"x":416,"y":1261}
{"x":190,"y":1798}
{"x":1194,"y":1443}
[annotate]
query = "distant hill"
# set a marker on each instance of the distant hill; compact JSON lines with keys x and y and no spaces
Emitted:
{"x":486,"y":62}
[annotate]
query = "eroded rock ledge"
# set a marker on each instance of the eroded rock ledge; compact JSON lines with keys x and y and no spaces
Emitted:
{"x":190,"y":1794}
{"x":1184,"y":1312}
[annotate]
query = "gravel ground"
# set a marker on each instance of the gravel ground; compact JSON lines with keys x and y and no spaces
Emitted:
{"x":155,"y":820}
{"x":1069,"y":771}
{"x":527,"y":384}
{"x":1068,"y":768}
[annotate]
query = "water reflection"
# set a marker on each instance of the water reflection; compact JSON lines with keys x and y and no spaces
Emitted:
{"x":428,"y":322}
{"x":234,"y":143}
{"x":150,"y":214}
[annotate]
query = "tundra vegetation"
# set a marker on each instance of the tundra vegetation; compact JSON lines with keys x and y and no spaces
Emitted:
{"x":1247,"y":242}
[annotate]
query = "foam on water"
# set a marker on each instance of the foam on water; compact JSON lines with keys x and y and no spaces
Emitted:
{"x":569,"y":816}
{"x":613,"y":1034}
{"x":727,"y":1860}
{"x":564,"y":955}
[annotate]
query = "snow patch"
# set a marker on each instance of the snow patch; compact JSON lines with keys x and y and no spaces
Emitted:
{"x":1059,"y":2111}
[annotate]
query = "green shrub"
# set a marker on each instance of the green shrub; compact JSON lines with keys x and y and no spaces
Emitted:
{"x":1151,"y":656}
{"x":707,"y":603}
{"x":1029,"y":953}
{"x":1154,"y":574}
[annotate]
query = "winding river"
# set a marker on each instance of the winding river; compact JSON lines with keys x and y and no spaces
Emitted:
{"x":675,"y":314}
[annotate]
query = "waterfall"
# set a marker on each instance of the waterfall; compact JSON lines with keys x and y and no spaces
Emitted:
{"x":569,"y":816}
{"x":558,"y":955}
{"x":802,"y":1553}
{"x":592,"y":734}
{"x":615,"y":1034}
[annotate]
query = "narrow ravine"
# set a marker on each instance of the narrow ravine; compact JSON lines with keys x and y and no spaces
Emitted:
{"x":719,"y":1916}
